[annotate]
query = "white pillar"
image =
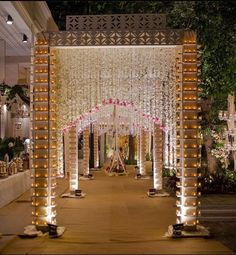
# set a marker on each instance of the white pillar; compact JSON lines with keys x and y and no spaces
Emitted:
{"x":86,"y":151}
{"x":142,"y":152}
{"x":73,"y":158}
{"x":3,"y":115}
{"x":102,"y":147}
{"x":138,"y":150}
{"x":149,"y":143}
{"x":66,"y":151}
{"x":157,"y":157}
{"x":95,"y":147}
{"x":167,"y":162}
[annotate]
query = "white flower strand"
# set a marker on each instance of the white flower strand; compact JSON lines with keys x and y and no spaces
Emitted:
{"x":139,"y":80}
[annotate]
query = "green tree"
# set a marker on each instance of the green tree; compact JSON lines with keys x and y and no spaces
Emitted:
{"x":214,"y":23}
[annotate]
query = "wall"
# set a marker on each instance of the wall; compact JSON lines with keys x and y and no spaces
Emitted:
{"x":14,"y":68}
{"x":2,"y":60}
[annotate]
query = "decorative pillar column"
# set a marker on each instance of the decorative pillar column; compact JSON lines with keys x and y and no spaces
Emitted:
{"x":157,"y":158}
{"x":86,"y":151}
{"x":73,"y":159}
{"x":142,"y":152}
{"x":95,"y":147}
{"x":187,"y":133}
{"x":43,"y":134}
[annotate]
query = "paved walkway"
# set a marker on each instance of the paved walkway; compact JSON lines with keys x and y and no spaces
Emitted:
{"x":116,"y":217}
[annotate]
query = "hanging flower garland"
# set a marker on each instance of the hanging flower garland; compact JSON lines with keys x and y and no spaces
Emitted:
{"x":129,"y":117}
{"x":98,"y":76}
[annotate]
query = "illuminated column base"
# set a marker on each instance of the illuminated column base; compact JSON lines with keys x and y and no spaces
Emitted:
{"x":95,"y":147}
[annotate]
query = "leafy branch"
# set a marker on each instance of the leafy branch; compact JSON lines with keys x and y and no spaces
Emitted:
{"x":12,"y":92}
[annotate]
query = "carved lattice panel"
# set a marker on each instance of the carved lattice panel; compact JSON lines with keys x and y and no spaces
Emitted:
{"x":103,"y":38}
{"x":116,"y":22}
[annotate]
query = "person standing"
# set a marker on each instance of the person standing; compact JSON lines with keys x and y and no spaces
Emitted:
{"x":10,"y":151}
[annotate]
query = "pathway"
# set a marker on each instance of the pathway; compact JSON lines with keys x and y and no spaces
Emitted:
{"x":116,"y":217}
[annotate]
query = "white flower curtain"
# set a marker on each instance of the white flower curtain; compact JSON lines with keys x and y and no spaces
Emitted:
{"x":140,"y":81}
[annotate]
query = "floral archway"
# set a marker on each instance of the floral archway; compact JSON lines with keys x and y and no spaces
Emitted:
{"x":150,"y":67}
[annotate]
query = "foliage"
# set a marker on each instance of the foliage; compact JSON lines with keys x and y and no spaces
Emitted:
{"x":221,"y":182}
{"x":130,"y":162}
{"x":60,"y":9}
{"x":170,"y":184}
{"x":169,"y":180}
{"x":214,"y":22}
{"x":218,"y":148}
{"x":167,"y":172}
{"x":18,"y":146}
{"x":12,"y":92}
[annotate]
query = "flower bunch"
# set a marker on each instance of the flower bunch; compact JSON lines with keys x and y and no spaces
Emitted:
{"x":219,"y":149}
